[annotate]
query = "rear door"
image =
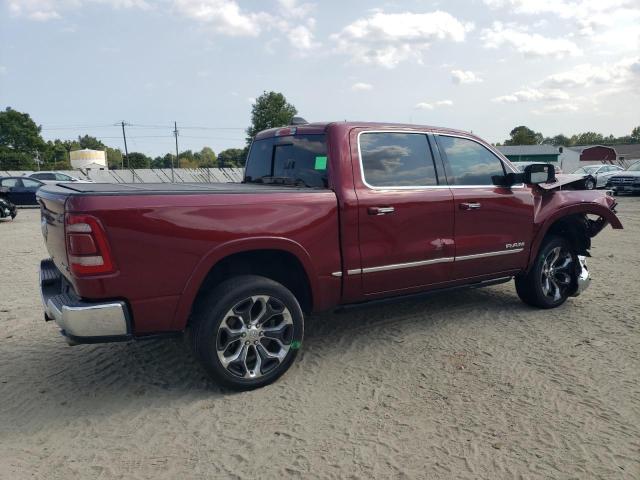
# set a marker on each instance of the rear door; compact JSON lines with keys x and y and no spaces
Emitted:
{"x":15,"y":191}
{"x":405,"y":216}
{"x":493,"y":225}
{"x":29,"y":189}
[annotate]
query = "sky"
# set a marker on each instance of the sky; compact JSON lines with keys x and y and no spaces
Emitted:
{"x":82,"y":66}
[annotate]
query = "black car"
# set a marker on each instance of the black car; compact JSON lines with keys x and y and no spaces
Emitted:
{"x":20,"y":190}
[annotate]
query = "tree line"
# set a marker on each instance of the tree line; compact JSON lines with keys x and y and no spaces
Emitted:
{"x":523,"y":135}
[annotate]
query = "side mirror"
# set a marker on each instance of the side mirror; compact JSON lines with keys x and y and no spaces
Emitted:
{"x":539,"y":173}
{"x":507,"y":180}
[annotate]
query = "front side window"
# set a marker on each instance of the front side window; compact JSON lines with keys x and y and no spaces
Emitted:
{"x":31,"y":183}
{"x":299,"y":160}
{"x":468,"y":162}
{"x":391,"y":159}
{"x":63,"y":177}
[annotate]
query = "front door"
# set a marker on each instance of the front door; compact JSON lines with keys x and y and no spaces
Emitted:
{"x":405,"y":216}
{"x":493,"y":225}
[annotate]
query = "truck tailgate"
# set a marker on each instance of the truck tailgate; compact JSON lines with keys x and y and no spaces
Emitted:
{"x":52,"y":226}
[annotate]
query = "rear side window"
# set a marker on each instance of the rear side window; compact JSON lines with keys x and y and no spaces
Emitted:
{"x":44,"y":176}
{"x":468,"y":162}
{"x":11,"y":182}
{"x":391,"y":159}
{"x":293,"y":160}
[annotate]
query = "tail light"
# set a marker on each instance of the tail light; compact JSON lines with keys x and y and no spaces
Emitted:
{"x":87,"y":247}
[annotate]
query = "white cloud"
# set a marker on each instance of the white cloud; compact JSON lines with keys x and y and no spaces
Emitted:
{"x":301,"y":37}
{"x":464,"y":76}
{"x":3,"y":70}
{"x":531,"y":95}
{"x":224,"y":16}
{"x":529,"y":44}
{"x":623,"y":73}
{"x":45,"y":10}
{"x":556,"y":108}
{"x":611,"y":24}
{"x":431,"y":106}
{"x":361,"y":87}
{"x":387,"y":39}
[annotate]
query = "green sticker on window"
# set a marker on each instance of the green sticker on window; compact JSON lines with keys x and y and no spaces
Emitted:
{"x":321,"y":163}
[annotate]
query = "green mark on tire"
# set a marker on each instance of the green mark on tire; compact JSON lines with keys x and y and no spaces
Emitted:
{"x":296,"y":344}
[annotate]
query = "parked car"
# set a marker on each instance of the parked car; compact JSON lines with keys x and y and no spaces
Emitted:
{"x":55,"y":177}
{"x":20,"y":190}
{"x":521,"y":165}
{"x":328,"y":215}
{"x":600,"y":173}
{"x":627,"y":181}
{"x":7,"y":209}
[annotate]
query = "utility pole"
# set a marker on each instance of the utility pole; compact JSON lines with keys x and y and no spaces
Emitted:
{"x":126,"y":152}
{"x":175,"y":134}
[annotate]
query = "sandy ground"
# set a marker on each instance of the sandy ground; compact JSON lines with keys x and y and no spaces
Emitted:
{"x":472,"y":384}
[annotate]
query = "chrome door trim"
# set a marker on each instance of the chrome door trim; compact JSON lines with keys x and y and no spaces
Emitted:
{"x":488,"y":254}
{"x":398,"y":266}
{"x":421,"y":263}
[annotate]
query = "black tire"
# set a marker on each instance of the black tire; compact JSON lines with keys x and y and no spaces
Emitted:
{"x":236,"y":301}
{"x":590,"y":184}
{"x":560,"y":283}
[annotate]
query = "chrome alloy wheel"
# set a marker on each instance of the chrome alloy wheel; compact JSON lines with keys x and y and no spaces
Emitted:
{"x":254,"y":337}
{"x":556,"y":273}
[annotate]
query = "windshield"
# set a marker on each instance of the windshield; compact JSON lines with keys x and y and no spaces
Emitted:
{"x":587,"y":169}
{"x":634,"y":168}
{"x":299,"y":160}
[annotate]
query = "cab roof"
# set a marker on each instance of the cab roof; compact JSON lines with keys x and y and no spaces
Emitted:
{"x":321,"y":127}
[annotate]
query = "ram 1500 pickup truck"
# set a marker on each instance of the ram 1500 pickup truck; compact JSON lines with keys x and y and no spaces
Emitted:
{"x":328,"y":214}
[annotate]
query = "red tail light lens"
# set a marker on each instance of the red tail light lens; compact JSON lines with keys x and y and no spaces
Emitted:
{"x":87,"y":246}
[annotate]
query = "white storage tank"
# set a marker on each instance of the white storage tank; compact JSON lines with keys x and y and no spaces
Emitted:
{"x":88,"y":159}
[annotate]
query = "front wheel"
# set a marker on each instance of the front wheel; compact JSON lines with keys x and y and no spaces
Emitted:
{"x":552,"y":279}
{"x":247,"y":331}
{"x":590,"y":184}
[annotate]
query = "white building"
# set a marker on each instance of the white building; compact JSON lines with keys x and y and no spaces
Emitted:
{"x":87,"y":159}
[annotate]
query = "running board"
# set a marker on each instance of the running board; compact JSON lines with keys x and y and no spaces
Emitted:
{"x":411,"y":296}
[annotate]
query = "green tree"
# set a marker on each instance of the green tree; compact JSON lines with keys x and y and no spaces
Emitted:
{"x":270,"y":110}
{"x":524,"y":136}
{"x":207,"y":158}
{"x":232,"y":157}
{"x":587,"y":138}
{"x":558,"y":140}
{"x":20,"y":140}
{"x":635,"y":135}
{"x":138,"y":160}
{"x":91,"y":143}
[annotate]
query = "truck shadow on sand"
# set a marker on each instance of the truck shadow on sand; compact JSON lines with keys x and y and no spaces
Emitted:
{"x":102,"y":379}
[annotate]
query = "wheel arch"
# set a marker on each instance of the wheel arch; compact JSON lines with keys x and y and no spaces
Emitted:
{"x":279,"y":259}
{"x":573,"y":224}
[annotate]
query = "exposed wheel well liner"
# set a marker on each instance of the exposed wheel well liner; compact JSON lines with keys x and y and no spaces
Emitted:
{"x":576,"y":229}
{"x":278,"y":265}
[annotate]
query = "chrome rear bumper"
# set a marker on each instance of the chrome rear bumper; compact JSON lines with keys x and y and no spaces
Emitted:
{"x":81,"y":321}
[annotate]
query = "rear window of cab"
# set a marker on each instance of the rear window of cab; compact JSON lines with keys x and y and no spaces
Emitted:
{"x":299,"y":160}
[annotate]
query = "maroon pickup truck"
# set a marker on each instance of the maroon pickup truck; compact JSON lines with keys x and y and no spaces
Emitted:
{"x":328,"y":214}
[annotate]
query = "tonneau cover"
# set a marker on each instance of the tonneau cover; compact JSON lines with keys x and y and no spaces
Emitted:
{"x":167,"y":188}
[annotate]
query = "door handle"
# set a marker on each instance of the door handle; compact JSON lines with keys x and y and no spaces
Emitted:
{"x":380,"y":210}
{"x":470,"y":206}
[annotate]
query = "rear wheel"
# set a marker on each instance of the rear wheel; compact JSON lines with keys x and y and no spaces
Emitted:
{"x":552,"y":279}
{"x":246,"y":332}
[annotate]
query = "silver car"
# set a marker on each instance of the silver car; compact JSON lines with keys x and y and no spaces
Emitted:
{"x":601,"y":173}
